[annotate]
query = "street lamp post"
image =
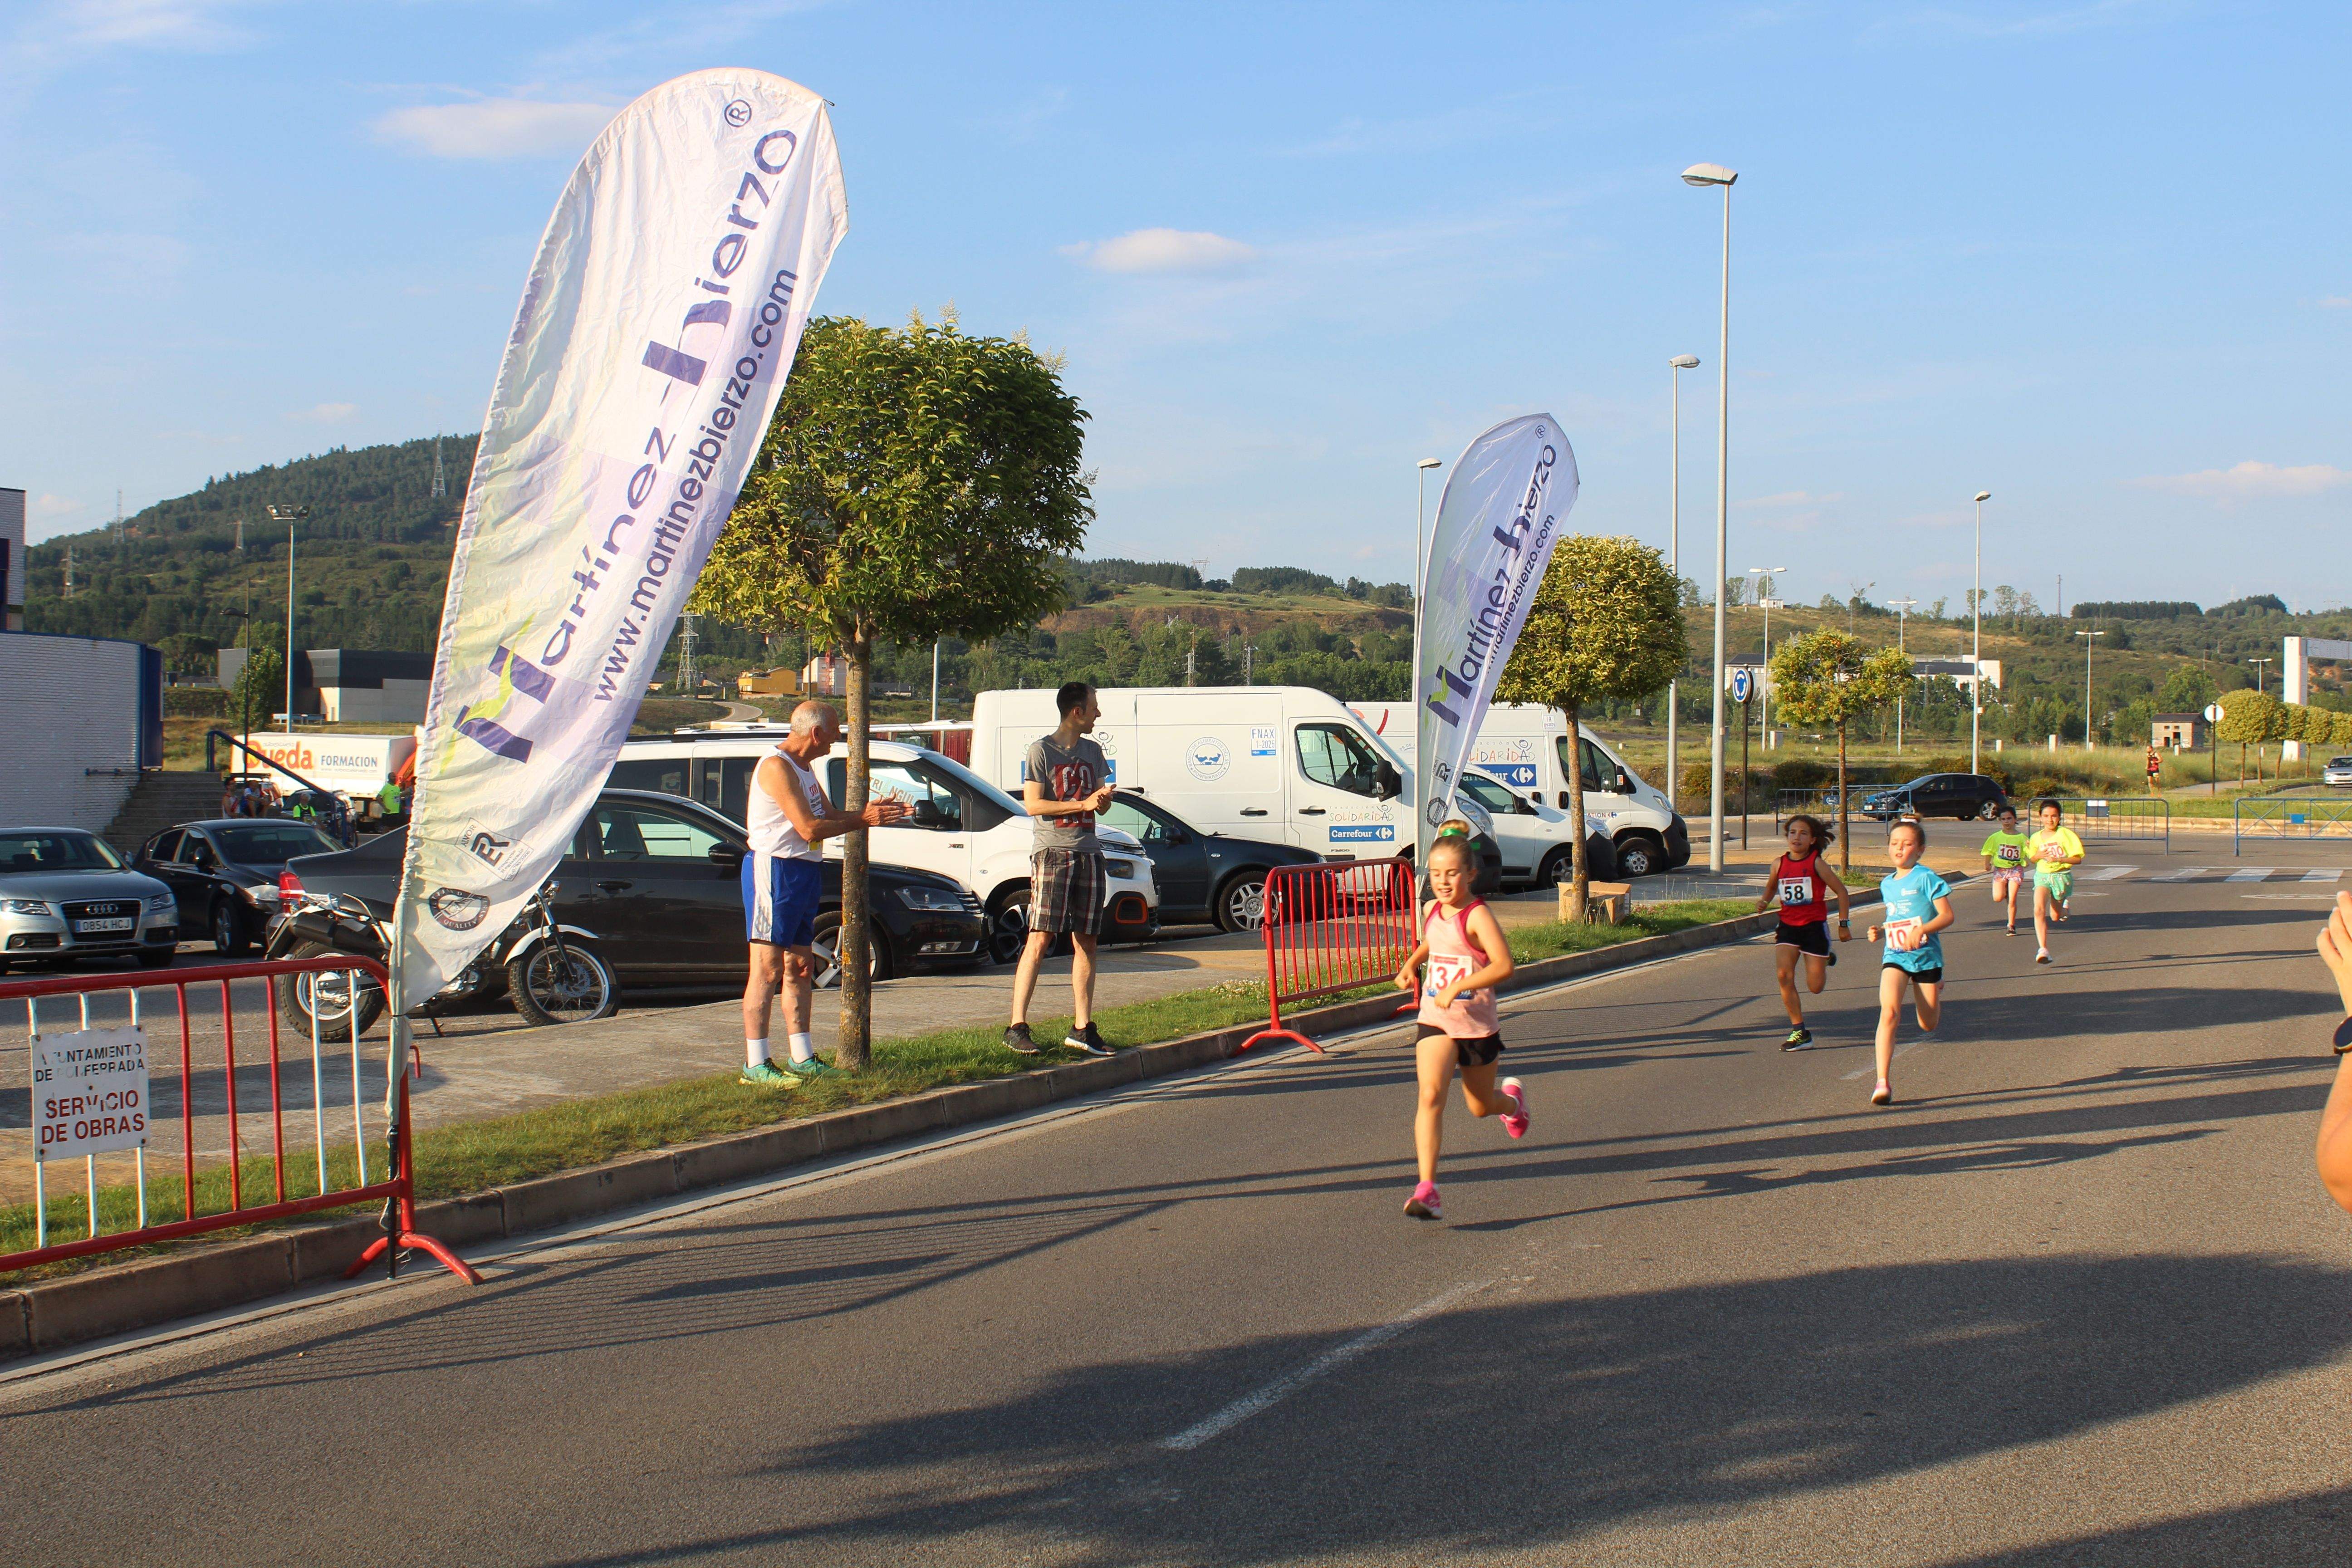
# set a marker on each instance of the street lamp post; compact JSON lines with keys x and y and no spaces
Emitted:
{"x":1901,"y":608}
{"x":1976,"y":642}
{"x":2260,"y":673}
{"x":1705,"y":174}
{"x":1769,"y":601}
{"x":2260,"y":670}
{"x":1677,"y":364}
{"x":289,"y":516}
{"x":1420,"y":509}
{"x":2089,"y":642}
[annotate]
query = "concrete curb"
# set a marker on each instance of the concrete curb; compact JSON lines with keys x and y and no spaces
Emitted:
{"x":211,"y":1279}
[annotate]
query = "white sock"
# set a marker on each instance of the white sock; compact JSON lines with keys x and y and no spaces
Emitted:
{"x":755,"y":1051}
{"x":800,"y":1048}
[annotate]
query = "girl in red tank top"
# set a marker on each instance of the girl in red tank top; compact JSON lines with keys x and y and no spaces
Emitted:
{"x":1466,"y":957}
{"x":1803,"y":887}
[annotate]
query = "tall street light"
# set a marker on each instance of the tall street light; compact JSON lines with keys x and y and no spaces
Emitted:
{"x":1420,"y":507}
{"x":1678,"y":365}
{"x":2089,"y":642}
{"x":1770,"y":600}
{"x":1705,"y":174}
{"x":1976,"y":642}
{"x":289,"y":516}
{"x":1901,"y":608}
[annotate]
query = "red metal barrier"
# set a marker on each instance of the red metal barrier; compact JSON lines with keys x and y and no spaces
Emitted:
{"x":1332,"y":928}
{"x":397,"y":1187}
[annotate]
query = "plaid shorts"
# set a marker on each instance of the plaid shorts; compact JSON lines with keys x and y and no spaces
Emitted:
{"x":1066,"y":890}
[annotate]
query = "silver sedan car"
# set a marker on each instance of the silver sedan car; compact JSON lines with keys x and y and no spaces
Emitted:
{"x":2338,"y":772}
{"x":65,"y":894}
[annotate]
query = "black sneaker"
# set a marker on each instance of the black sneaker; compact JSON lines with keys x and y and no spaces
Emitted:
{"x":1831,"y":956}
{"x":1087,"y":1040}
{"x":1016,"y":1038}
{"x":1799,"y":1038}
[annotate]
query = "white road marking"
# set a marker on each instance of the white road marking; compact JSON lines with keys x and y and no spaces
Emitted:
{"x":2186,"y":874}
{"x":2321,"y":876}
{"x":2110,"y":873}
{"x":1289,"y":1382}
{"x":2250,"y":874}
{"x":2292,"y":898}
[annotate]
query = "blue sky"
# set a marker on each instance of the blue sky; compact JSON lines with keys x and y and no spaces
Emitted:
{"x":2088,"y":257}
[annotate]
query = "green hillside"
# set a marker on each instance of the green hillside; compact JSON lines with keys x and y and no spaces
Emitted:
{"x":371,"y":562}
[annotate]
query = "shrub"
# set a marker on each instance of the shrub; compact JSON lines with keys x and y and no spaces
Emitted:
{"x":2042,"y":784}
{"x":196,"y":701}
{"x":1802,"y":772}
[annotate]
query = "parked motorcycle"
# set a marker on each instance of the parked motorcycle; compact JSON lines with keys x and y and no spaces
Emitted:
{"x":552,"y":972}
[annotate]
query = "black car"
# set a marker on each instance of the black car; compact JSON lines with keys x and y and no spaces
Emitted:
{"x":655,"y":881}
{"x":224,"y":872}
{"x":1963,"y":796}
{"x":1202,"y":877}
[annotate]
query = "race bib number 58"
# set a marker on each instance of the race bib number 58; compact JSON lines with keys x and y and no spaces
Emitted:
{"x":1796,"y":890}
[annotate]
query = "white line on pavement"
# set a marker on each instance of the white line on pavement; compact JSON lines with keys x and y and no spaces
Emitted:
{"x":2250,"y":874}
{"x":2321,"y":876}
{"x":2292,"y":898}
{"x":2107,"y":873}
{"x":1289,"y":1382}
{"x":2186,"y":874}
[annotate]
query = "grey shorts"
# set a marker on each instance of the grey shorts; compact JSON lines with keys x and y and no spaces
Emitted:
{"x":1065,"y":891}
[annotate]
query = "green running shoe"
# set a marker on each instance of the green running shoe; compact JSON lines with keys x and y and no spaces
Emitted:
{"x":767,"y":1076}
{"x":816,"y":1067}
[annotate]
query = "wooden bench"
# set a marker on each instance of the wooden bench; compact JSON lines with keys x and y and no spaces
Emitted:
{"x":1605,"y":903}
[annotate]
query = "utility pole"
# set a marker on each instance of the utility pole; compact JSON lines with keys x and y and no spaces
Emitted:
{"x":1249,"y":653}
{"x":289,"y":516}
{"x":1901,"y":608}
{"x":686,"y":654}
{"x":440,"y":483}
{"x":69,"y":589}
{"x":1191,"y":653}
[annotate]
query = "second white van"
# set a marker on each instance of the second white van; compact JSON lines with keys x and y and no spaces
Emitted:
{"x":1522,"y":749}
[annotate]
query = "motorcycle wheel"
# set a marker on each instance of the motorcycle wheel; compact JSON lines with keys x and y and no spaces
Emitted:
{"x":329,"y":995}
{"x":567,"y":987}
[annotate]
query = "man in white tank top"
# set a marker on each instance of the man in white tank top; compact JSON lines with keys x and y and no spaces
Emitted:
{"x":784,"y":883}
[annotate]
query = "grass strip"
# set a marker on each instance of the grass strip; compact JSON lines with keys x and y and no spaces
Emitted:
{"x":464,"y":1157}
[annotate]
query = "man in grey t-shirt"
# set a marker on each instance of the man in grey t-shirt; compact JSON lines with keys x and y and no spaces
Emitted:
{"x":1065,"y":781}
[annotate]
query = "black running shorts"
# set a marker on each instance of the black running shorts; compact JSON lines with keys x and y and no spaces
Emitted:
{"x":1810,"y":936}
{"x":1478,"y":1051}
{"x":1923,"y":976}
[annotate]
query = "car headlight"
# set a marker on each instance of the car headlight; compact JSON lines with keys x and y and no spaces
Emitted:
{"x":948,"y":899}
{"x":26,"y":907}
{"x":1114,"y":867}
{"x":260,"y":893}
{"x":163,"y":904}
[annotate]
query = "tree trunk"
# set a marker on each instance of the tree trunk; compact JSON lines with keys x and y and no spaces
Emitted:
{"x":1580,"y":885}
{"x":853,"y":1051}
{"x":1845,"y":813}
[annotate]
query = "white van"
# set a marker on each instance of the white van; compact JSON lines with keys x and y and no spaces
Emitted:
{"x":963,"y":826}
{"x":1523,"y":749}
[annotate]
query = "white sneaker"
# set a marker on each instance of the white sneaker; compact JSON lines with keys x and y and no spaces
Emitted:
{"x":2041,"y":955}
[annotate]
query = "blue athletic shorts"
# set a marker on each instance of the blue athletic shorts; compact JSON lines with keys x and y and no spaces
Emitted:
{"x":780,"y":899}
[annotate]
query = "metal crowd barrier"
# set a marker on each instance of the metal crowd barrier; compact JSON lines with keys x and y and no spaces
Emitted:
{"x":2289,"y":816}
{"x":1332,"y":928}
{"x":91,"y":1099}
{"x":2142,"y":817}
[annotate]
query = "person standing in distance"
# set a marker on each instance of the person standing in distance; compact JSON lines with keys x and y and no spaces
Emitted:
{"x":1066,"y":780}
{"x":783,"y":882}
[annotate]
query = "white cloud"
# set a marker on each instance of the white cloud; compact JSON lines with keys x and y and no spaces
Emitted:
{"x":325,"y":413}
{"x":2336,"y":301}
{"x":494,"y":128}
{"x":55,"y":506}
{"x":145,"y":24}
{"x":1163,"y":250}
{"x":2250,"y":480}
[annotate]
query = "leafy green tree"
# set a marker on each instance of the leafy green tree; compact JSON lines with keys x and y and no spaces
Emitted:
{"x":2248,"y":717}
{"x":1606,"y":624}
{"x":914,"y":482}
{"x":260,"y":683}
{"x":1831,"y":678}
{"x":2188,"y":689}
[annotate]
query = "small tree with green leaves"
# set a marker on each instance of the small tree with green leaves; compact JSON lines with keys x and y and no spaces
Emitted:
{"x":915,"y":483}
{"x":1831,"y":678}
{"x":1606,"y":624}
{"x":2248,"y":717}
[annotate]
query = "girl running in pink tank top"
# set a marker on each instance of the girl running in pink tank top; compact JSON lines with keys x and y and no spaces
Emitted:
{"x":1464,"y":957}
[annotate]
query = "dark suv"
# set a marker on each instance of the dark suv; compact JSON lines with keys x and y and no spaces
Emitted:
{"x":1963,"y":796}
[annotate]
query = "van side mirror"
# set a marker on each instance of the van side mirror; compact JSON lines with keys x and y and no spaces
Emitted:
{"x":1624,"y":784}
{"x":927,"y":814}
{"x":1524,"y":808}
{"x":1388,"y":784}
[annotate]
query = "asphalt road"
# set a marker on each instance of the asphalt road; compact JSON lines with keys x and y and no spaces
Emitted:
{"x":2077,"y":1299}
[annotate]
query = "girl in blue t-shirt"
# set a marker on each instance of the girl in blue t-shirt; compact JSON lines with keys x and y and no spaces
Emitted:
{"x":1918,"y":905}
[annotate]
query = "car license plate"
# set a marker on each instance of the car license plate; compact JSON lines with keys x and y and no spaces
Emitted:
{"x":92,"y":928}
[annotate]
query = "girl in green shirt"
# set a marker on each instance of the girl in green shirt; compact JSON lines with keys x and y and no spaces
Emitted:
{"x":2005,"y":854}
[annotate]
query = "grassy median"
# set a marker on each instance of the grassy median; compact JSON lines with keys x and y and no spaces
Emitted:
{"x":475,"y":1156}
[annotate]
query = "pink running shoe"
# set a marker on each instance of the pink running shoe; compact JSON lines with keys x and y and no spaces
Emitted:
{"x":1424,"y":1203}
{"x":1515,"y":1122}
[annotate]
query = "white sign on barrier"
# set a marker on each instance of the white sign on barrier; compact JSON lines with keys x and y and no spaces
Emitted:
{"x":89,"y":1092}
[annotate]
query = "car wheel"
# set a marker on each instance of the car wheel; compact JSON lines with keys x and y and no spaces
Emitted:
{"x":1008,"y":930}
{"x":1987,"y":812}
{"x":1557,"y":870}
{"x":1638,"y":858}
{"x":1241,"y":902}
{"x":569,"y":986}
{"x":227,"y":929}
{"x":826,"y":944}
{"x":328,"y":996}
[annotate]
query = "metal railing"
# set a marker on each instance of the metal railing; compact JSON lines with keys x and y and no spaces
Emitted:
{"x":2289,"y":816}
{"x":1333,"y":928}
{"x":2140,"y":817}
